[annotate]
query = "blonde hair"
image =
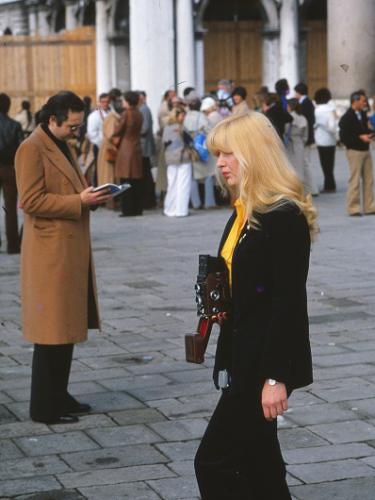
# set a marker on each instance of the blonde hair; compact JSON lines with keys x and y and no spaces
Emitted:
{"x":172,"y":117}
{"x":267,"y":180}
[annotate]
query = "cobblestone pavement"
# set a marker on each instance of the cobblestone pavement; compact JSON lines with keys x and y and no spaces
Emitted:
{"x":151,"y":407}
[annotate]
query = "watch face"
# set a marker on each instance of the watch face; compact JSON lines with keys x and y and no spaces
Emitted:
{"x":271,"y":381}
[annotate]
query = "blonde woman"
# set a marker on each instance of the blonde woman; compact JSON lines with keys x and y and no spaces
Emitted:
{"x":263,"y":350}
{"x":177,"y":159}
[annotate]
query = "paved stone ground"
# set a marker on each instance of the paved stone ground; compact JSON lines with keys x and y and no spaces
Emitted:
{"x":151,"y":408}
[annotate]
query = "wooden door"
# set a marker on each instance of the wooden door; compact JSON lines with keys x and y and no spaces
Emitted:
{"x":233,"y":51}
{"x":36,"y":67}
{"x":316,"y":55}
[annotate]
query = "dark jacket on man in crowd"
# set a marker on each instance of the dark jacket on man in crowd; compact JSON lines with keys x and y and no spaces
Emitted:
{"x":279,"y":118}
{"x":351,"y":127}
{"x":10,"y":138}
{"x":308,"y":111}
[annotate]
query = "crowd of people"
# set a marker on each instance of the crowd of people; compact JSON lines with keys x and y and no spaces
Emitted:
{"x":171,"y":167}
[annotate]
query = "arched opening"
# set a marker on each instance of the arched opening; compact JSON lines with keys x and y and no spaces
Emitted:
{"x":233,"y":43}
{"x":313,"y":44}
{"x":120,"y":45}
{"x":89,"y":14}
{"x":60,"y":19}
{"x":8,"y":31}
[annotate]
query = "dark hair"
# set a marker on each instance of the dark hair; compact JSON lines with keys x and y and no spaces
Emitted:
{"x":270,"y":98}
{"x":295,"y":105}
{"x":301,"y":88}
{"x":355,"y":96}
{"x":187,"y":91}
{"x":114,"y":94}
{"x":282,"y":86}
{"x":142,"y":93}
{"x":241,"y":91}
{"x":59,"y":106}
{"x":132,"y":98}
{"x":322,"y":96}
{"x":25,"y":105}
{"x":195,"y":105}
{"x":4,"y":103}
{"x":104,"y":95}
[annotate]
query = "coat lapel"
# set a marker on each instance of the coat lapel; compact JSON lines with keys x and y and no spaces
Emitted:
{"x":227,"y":229}
{"x":60,"y":161}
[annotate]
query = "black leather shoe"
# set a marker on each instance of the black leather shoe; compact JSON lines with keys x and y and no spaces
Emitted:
{"x":62,"y":420}
{"x":79,"y":408}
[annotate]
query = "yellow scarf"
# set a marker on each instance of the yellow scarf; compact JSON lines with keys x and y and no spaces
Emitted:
{"x":233,"y":237}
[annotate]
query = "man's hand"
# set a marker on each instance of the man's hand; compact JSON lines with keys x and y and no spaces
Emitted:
{"x":366,"y":137}
{"x":89,"y":198}
{"x":274,"y":400}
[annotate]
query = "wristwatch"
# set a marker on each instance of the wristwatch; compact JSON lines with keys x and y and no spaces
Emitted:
{"x":271,"y":381}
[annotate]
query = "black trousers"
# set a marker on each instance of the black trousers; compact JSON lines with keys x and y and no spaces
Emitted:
{"x":9,"y":188}
{"x":132,"y":199}
{"x":239,"y":457}
{"x":327,"y":161}
{"x":49,"y":381}
{"x":149,"y":197}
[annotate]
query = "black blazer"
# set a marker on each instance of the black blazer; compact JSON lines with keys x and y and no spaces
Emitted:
{"x":308,"y":111}
{"x":351,"y":128}
{"x":267,"y":335}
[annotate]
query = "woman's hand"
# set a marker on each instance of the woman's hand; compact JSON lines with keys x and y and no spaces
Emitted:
{"x":274,"y":400}
{"x":89,"y":197}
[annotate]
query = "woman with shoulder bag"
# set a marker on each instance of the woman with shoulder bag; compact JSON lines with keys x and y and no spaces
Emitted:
{"x":263,"y":350}
{"x":178,"y":161}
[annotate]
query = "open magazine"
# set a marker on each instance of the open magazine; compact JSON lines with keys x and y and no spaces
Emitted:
{"x":114,"y":189}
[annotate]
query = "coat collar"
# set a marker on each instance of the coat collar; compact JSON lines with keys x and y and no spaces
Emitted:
{"x":59,"y":160}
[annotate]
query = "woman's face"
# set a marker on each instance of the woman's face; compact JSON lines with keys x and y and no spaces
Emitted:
{"x":229,"y":167}
{"x":180,"y":118}
{"x":237,"y":99}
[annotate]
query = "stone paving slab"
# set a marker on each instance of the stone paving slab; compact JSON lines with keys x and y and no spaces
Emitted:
{"x":150,"y":407}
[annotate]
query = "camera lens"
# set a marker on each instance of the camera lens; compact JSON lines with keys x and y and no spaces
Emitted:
{"x":215,"y":295}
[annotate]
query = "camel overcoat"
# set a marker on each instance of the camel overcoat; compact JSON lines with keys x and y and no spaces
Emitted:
{"x":58,"y":289}
{"x":129,"y":163}
{"x":105,"y":168}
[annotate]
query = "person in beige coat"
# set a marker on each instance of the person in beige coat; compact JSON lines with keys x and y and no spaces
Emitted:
{"x":58,"y":291}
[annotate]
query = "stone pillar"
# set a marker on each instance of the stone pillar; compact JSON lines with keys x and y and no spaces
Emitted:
{"x":32,"y":20}
{"x":103,"y":65}
{"x":270,"y":46}
{"x":185,"y":45}
{"x":152,"y":49}
{"x":289,"y":42}
{"x":71,"y":21}
{"x":44,"y":15}
{"x":351,"y":37}
{"x":199,"y":62}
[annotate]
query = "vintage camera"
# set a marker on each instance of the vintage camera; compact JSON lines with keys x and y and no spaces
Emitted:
{"x":212,"y":295}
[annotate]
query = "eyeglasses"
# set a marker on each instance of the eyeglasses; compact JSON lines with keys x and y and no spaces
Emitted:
{"x":73,"y":128}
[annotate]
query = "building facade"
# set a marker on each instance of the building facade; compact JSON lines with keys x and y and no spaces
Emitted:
{"x":159,"y":44}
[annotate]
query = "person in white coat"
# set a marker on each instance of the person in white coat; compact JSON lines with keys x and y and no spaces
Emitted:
{"x":325,"y":131}
{"x":296,"y":138}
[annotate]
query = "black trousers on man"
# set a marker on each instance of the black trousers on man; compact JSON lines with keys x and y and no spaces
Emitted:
{"x":149,"y":196}
{"x":239,"y":457}
{"x":9,"y":188}
{"x":132,"y":199}
{"x":49,"y":382}
{"x":327,"y":161}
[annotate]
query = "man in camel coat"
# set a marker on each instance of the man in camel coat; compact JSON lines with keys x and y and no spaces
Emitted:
{"x":59,"y":301}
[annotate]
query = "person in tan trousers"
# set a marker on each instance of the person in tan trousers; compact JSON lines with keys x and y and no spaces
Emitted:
{"x":356,"y":136}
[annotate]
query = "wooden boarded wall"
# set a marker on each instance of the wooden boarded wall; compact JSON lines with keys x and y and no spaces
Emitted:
{"x":233,"y":50}
{"x":316,"y":55}
{"x":36,"y":67}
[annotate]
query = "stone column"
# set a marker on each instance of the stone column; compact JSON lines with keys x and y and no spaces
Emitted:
{"x":351,"y":38}
{"x":44,"y":14}
{"x":71,"y":21}
{"x":270,"y":48}
{"x":199,"y":62}
{"x":33,"y":19}
{"x":103,"y":65}
{"x":185,"y":45}
{"x":152,"y":49}
{"x":289,"y":42}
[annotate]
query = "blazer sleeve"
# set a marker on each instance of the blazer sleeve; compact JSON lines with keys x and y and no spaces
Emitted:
{"x":288,"y":249}
{"x":34,"y":198}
